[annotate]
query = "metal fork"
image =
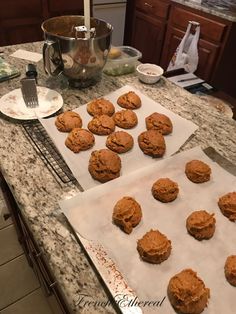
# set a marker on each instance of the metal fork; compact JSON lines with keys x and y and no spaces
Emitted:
{"x":29,"y":92}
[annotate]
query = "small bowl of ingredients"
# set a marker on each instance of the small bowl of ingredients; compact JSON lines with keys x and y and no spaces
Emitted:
{"x":149,"y":73}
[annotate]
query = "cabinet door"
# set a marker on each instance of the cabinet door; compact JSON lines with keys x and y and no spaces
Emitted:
{"x":62,"y":7}
{"x":148,"y":36}
{"x":208,"y":53}
{"x":20,"y":21}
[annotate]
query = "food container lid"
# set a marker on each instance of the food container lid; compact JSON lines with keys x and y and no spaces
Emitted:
{"x":124,"y":54}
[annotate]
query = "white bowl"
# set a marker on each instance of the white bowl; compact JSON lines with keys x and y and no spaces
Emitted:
{"x":149,"y":73}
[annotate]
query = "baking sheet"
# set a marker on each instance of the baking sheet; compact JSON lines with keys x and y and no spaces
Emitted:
{"x":132,"y":160}
{"x":90,"y":213}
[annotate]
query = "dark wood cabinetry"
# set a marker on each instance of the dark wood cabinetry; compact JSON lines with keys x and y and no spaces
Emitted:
{"x":159,"y":26}
{"x":208,"y":52}
{"x":148,"y":30}
{"x":149,"y":25}
{"x":212,"y":38}
{"x":20,"y":20}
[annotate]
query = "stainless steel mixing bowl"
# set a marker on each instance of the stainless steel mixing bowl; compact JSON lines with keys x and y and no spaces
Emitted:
{"x":69,"y":52}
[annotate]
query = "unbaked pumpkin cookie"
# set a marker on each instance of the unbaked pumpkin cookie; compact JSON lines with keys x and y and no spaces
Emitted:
{"x":127,"y":214}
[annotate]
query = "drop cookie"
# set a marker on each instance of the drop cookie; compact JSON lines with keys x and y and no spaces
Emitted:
{"x":159,"y":122}
{"x":154,"y":247}
{"x":129,"y":100}
{"x":79,"y":140}
{"x":98,"y":107}
{"x":101,"y":125}
{"x":104,"y":165}
{"x":201,"y":225}
{"x":230,"y":269}
{"x":227,"y":205}
{"x":127,"y":214}
{"x":152,"y":143}
{"x":187,"y":292}
{"x":125,"y":119}
{"x":165,"y":190}
{"x":67,"y":121}
{"x":120,"y":142}
{"x":197,"y":171}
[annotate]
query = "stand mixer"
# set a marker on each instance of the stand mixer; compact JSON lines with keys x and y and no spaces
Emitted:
{"x":74,"y":50}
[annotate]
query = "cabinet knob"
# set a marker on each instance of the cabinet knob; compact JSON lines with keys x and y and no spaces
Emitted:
{"x":148,"y":5}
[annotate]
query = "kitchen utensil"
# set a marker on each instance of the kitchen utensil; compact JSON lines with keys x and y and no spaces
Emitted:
{"x":29,"y":92}
{"x":31,"y":71}
{"x":67,"y":50}
{"x":188,"y":79}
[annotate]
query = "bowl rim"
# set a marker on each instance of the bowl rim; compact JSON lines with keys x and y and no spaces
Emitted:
{"x":151,"y":65}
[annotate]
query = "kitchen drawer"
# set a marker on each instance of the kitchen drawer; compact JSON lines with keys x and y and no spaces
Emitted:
{"x":20,"y":9}
{"x":61,"y":5}
{"x":211,"y":30}
{"x":153,"y":7}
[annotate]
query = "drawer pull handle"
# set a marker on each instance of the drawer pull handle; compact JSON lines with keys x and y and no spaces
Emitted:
{"x":194,"y":23}
{"x":148,"y":5}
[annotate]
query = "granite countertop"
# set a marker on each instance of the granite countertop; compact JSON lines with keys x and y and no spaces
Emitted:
{"x":37,"y":191}
{"x":209,"y":8}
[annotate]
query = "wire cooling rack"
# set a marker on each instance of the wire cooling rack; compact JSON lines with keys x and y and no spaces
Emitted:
{"x":48,"y":152}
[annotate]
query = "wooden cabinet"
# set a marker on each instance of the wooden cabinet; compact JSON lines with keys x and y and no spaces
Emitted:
{"x":208,"y":52}
{"x":20,"y":20}
{"x":159,"y":26}
{"x":213,"y":32}
{"x":149,"y":25}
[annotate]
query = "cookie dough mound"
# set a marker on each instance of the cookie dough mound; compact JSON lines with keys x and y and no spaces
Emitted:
{"x":120,"y":142}
{"x":201,"y":225}
{"x":230,"y":269}
{"x":152,"y":143}
{"x":159,"y":122}
{"x":165,"y":190}
{"x":102,"y":125}
{"x":127,"y":214}
{"x":104,"y":165}
{"x":197,"y":171}
{"x":125,"y":119}
{"x":227,"y":205}
{"x":129,"y":100}
{"x":79,"y":139}
{"x":154,"y":247}
{"x":187,"y":292}
{"x":67,"y":121}
{"x":100,"y":106}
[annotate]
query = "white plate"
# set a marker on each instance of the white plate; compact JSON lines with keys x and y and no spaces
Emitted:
{"x":13,"y":105}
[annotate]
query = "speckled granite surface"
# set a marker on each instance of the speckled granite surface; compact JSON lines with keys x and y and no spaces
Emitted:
{"x":37,"y":192}
{"x":214,"y":10}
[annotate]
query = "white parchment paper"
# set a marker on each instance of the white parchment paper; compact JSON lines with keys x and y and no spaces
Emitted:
{"x":90,"y":213}
{"x":132,"y":160}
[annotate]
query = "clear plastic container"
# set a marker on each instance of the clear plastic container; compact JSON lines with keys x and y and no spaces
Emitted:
{"x":124,"y":63}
